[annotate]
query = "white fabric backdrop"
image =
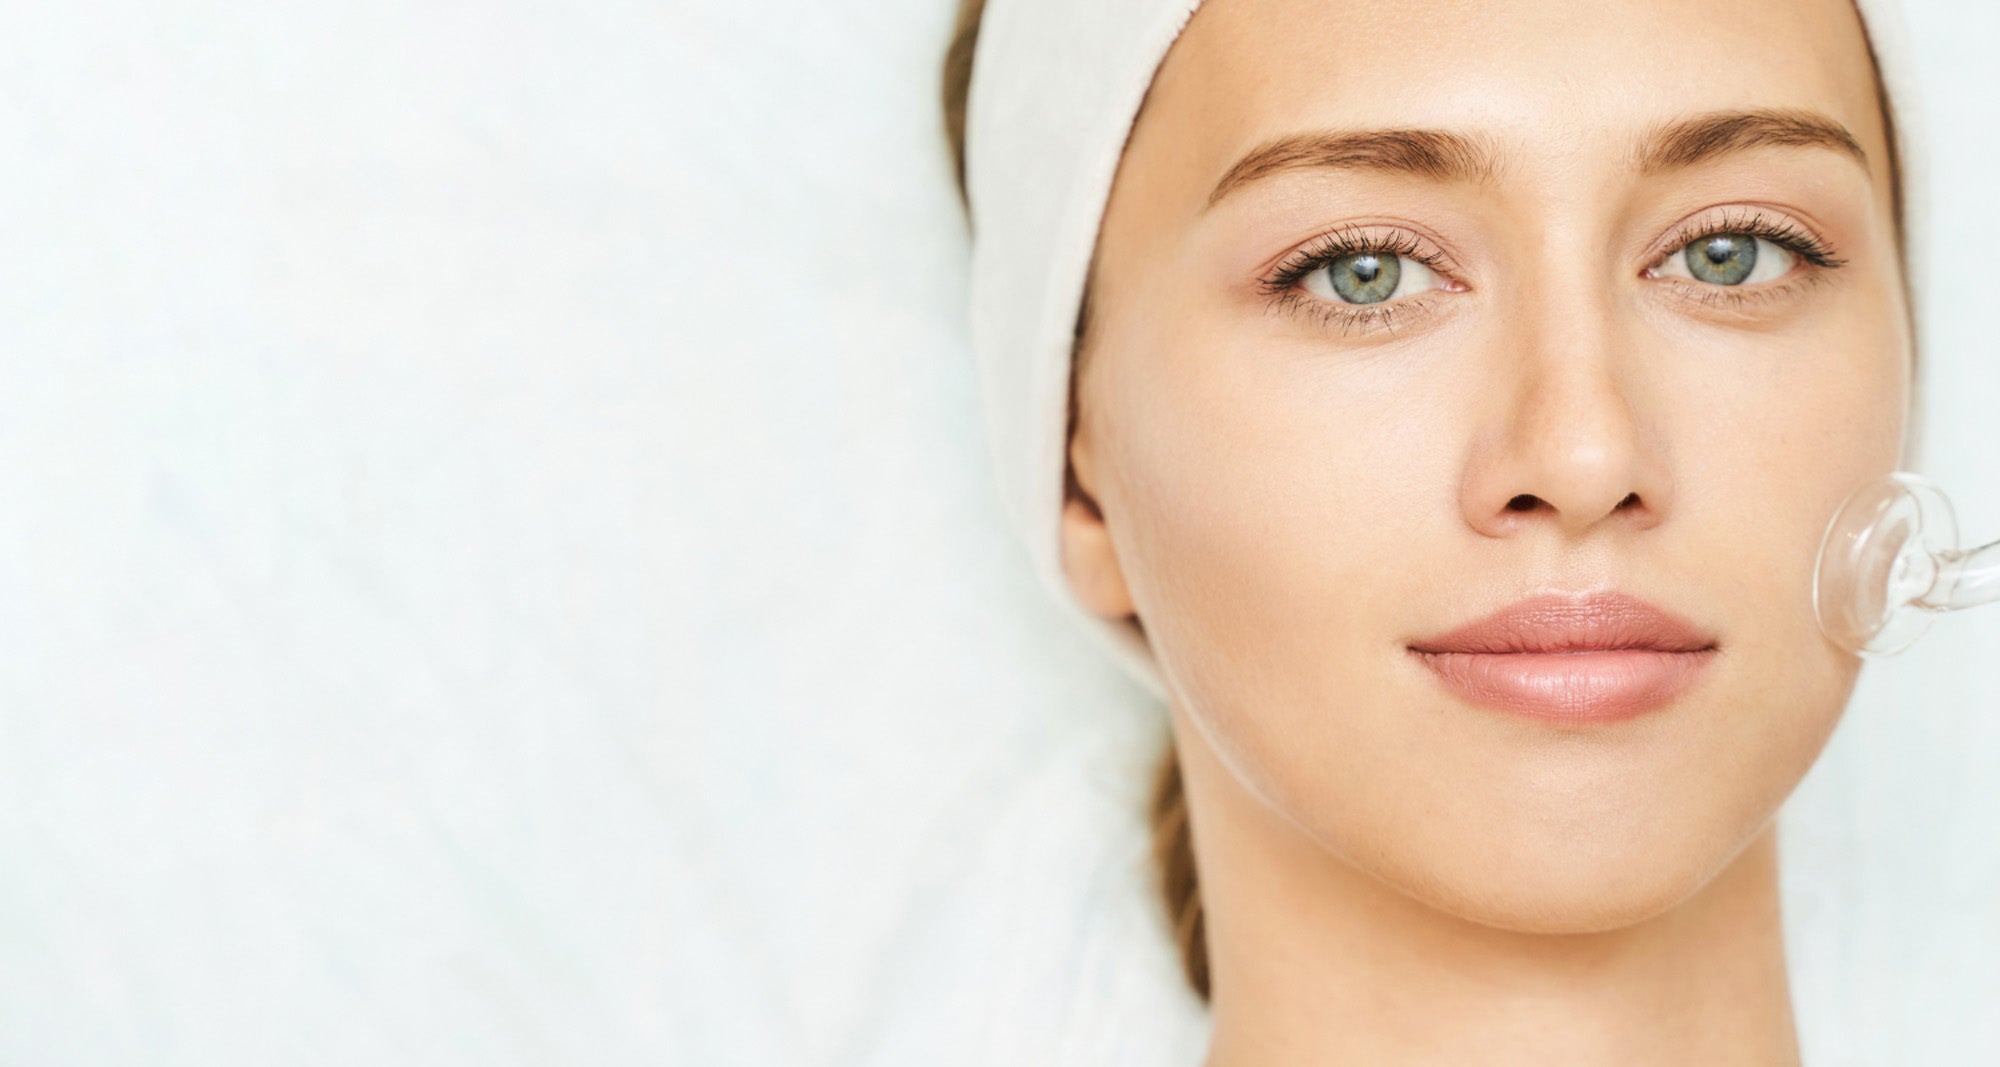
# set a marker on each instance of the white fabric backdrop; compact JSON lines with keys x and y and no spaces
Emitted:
{"x":497,"y":567}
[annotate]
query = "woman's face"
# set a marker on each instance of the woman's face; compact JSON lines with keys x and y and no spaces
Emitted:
{"x":1302,"y":474}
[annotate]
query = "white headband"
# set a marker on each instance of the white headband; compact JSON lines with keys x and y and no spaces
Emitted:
{"x":1056,"y":86}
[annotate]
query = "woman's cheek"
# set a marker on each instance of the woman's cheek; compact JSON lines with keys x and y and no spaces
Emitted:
{"x":1778,"y":452}
{"x":1274,"y":500}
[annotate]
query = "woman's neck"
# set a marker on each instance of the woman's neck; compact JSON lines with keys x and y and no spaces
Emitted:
{"x":1315,"y":961}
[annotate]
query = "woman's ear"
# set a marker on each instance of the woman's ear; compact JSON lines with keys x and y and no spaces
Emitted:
{"x":1089,"y":560}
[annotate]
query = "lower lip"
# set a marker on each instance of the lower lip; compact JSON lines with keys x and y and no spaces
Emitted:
{"x":1570,"y":687}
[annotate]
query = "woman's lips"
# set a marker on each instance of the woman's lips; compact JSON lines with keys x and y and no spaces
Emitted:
{"x":1591,"y":658}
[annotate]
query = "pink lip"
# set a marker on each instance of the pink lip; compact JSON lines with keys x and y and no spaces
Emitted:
{"x":1576,"y":659}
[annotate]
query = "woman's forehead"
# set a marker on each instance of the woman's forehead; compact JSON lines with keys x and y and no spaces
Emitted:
{"x":1576,"y":82}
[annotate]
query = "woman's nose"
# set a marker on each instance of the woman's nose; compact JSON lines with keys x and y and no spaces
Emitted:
{"x":1563,"y":441}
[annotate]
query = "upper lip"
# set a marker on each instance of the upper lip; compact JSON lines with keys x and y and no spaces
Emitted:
{"x":1565,"y":622}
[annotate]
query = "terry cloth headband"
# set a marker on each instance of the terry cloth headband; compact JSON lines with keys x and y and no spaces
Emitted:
{"x":1056,"y":86}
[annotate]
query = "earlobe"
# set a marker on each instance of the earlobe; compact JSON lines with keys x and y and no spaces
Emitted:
{"x":1090,"y":563}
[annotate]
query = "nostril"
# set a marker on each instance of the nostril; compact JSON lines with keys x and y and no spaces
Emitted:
{"x":1529,"y":502}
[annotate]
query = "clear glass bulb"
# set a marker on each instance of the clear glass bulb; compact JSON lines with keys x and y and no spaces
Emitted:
{"x":1890,"y":562}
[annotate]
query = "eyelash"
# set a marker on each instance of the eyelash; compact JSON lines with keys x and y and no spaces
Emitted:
{"x":1281,"y":287}
{"x":1800,"y":242}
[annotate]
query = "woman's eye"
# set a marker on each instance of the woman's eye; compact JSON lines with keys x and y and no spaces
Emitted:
{"x":1728,"y":259}
{"x":1368,"y":278}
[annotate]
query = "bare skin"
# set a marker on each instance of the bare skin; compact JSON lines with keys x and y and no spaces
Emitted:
{"x":1288,"y":499}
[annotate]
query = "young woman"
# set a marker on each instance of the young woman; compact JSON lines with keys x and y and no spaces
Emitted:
{"x":1461,"y":392}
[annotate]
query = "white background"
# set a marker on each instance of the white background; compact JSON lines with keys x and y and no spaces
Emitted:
{"x":497,"y":567}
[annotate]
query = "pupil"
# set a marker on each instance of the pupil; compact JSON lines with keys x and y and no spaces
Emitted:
{"x":1366,"y":268}
{"x":1720,"y":249}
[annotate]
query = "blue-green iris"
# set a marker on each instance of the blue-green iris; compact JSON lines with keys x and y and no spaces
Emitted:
{"x":1722,"y":258}
{"x":1365,"y":277}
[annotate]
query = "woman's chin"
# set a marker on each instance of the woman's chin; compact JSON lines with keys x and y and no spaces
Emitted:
{"x":1579,"y":886}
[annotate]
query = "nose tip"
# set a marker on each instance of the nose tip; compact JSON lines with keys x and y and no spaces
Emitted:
{"x":1572,"y":463}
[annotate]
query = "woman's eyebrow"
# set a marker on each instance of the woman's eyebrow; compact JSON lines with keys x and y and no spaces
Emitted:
{"x":1439,"y":155}
{"x":1700,"y":138}
{"x":1454,"y":156}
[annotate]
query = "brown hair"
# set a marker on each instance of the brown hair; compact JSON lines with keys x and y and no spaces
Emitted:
{"x":1167,"y":810}
{"x":958,"y":85}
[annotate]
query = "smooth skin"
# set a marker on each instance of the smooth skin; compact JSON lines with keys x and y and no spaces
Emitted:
{"x":1392,"y":875}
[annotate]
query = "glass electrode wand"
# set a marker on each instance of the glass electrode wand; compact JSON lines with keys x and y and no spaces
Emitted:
{"x":1890,"y":562}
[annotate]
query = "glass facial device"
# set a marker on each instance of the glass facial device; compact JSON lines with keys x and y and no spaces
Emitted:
{"x":1890,"y":562}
